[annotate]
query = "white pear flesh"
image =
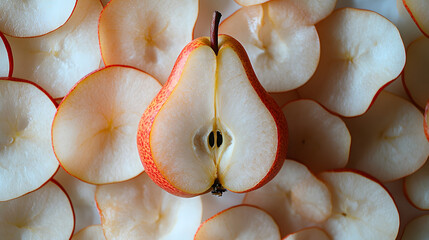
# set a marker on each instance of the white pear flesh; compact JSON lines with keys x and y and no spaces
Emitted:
{"x":58,"y":60}
{"x":43,"y":214}
{"x":317,"y":138}
{"x":33,"y":18}
{"x":146,"y":34}
{"x":313,"y":10}
{"x":416,"y":73}
{"x":284,"y":52}
{"x":295,"y":198}
{"x":416,"y":187}
{"x":388,"y":140}
{"x":239,"y":222}
{"x":361,"y":51}
{"x":93,"y":232}
{"x":139,"y":209}
{"x":5,"y":57}
{"x":27,"y":160}
{"x":361,"y":208}
{"x":109,"y":104}
{"x":250,"y":2}
{"x":312,"y":233}
{"x":417,"y":229}
{"x":418,"y":10}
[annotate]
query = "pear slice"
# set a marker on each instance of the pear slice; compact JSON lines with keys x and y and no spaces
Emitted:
{"x":6,"y":58}
{"x":317,"y":138}
{"x":250,"y":2}
{"x":416,"y":73}
{"x":295,"y":198}
{"x":361,"y":51}
{"x":33,"y":18}
{"x":212,"y":126}
{"x":282,"y":47}
{"x":388,"y":141}
{"x":139,"y":209}
{"x":93,"y":133}
{"x":146,"y":34}
{"x":312,"y":233}
{"x":416,"y":187}
{"x":43,"y":214}
{"x":56,"y":61}
{"x":361,"y":208}
{"x":239,"y":222}
{"x":93,"y":232}
{"x":26,"y":157}
{"x":417,"y":229}
{"x":418,"y":10}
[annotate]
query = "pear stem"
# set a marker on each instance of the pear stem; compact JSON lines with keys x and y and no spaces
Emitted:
{"x":214,"y":31}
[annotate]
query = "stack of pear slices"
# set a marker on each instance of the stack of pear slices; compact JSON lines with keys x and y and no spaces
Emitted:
{"x":113,"y":111}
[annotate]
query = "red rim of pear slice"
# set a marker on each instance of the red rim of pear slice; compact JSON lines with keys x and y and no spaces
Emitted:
{"x":239,"y":222}
{"x":295,"y":198}
{"x":308,"y":234}
{"x":94,"y":129}
{"x":139,"y":209}
{"x":317,"y":138}
{"x":283,"y":49}
{"x":416,"y":187}
{"x":416,"y":73}
{"x":6,"y":71}
{"x":58,"y":60}
{"x":27,"y":160}
{"x":149,"y":35}
{"x":34,"y":18}
{"x":43,"y":214}
{"x":418,"y":10}
{"x":417,"y":229}
{"x":92,"y":232}
{"x":388,"y":140}
{"x":361,"y":207}
{"x":361,"y":51}
{"x":426,"y":121}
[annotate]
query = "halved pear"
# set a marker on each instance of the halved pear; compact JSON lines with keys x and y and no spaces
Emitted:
{"x":361,"y":51}
{"x":146,"y":34}
{"x":239,"y":222}
{"x":317,"y":138}
{"x":311,"y":233}
{"x":139,"y":209}
{"x":33,"y":18}
{"x":416,"y":187}
{"x":26,"y":157}
{"x":295,"y":198}
{"x":361,"y":208}
{"x":44,"y":214}
{"x":418,"y":10}
{"x":94,"y":130}
{"x":416,"y":73}
{"x":212,"y":126}
{"x":388,"y":140}
{"x":283,"y":48}
{"x":92,"y":232}
{"x":417,"y":229}
{"x":6,"y":58}
{"x":56,"y":61}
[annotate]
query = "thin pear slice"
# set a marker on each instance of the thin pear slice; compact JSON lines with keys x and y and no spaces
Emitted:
{"x":416,"y":187}
{"x":56,"y":61}
{"x":44,"y":214}
{"x":33,"y":18}
{"x":146,"y":34}
{"x":239,"y":222}
{"x":283,"y":49}
{"x":93,"y":133}
{"x":361,"y":208}
{"x":417,"y":229}
{"x":219,"y":94}
{"x":26,"y":157}
{"x":312,"y":233}
{"x":361,"y":51}
{"x":6,"y":58}
{"x":93,"y":232}
{"x":418,"y":10}
{"x":250,"y":2}
{"x":416,"y":73}
{"x":295,"y":198}
{"x":388,"y":141}
{"x":139,"y":209}
{"x":317,"y":138}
